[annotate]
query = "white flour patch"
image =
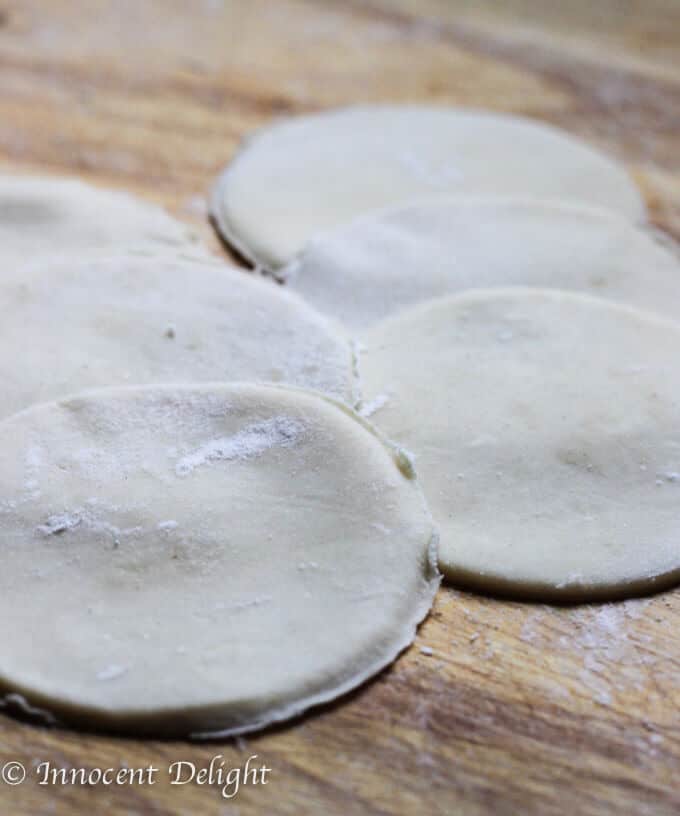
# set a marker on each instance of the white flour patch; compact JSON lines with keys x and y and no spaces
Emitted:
{"x":111,"y":672}
{"x":438,"y":175}
{"x":59,"y":523}
{"x":33,"y":461}
{"x":260,"y":600}
{"x":252,"y":441}
{"x":34,"y":458}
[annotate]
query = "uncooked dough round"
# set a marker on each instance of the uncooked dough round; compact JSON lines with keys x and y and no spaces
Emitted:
{"x":546,"y":432}
{"x":199,"y":559}
{"x":387,"y":261}
{"x":52,"y":216}
{"x":315,"y":172}
{"x":122,"y":320}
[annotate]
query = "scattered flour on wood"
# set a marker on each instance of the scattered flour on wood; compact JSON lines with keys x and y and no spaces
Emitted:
{"x":605,"y":652}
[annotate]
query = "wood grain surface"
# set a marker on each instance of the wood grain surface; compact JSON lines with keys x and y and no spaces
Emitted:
{"x":520,"y":708}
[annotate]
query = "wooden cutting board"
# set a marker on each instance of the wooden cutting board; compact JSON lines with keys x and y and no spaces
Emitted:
{"x":520,"y":708}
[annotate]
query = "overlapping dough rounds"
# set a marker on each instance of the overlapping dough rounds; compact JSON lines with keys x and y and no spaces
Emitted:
{"x":52,"y":215}
{"x":386,"y":261}
{"x":198,"y":559}
{"x":71,"y":324}
{"x":546,"y":432}
{"x":315,"y":172}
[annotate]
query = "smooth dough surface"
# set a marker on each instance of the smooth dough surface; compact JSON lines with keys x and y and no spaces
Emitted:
{"x":316,"y":172}
{"x":129,"y":320}
{"x":53,"y":216}
{"x":200,"y":559}
{"x":388,"y":261}
{"x":545,"y":427}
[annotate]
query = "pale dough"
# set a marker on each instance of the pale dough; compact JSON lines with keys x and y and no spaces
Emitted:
{"x":52,"y":216}
{"x":73,"y":324}
{"x":203,"y":559}
{"x":387,"y":261}
{"x":315,"y":172}
{"x":545,"y":427}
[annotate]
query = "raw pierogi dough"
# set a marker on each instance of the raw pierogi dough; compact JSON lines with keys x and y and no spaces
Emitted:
{"x":315,"y":172}
{"x":198,"y":559}
{"x":126,"y":319}
{"x":54,"y":216}
{"x":393,"y":259}
{"x":545,"y":427}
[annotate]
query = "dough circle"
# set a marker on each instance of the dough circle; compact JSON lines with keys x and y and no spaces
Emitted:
{"x":129,"y":320}
{"x":181,"y":560}
{"x":545,"y":427}
{"x":387,"y":261}
{"x":52,"y":215}
{"x":316,"y":172}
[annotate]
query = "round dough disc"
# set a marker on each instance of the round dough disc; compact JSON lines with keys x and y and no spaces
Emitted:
{"x":546,"y":432}
{"x":316,"y":172}
{"x":48,"y":216}
{"x":130,"y":320}
{"x":200,"y":559}
{"x":387,"y":261}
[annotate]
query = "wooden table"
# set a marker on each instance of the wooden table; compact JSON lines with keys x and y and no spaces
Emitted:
{"x":520,"y":708}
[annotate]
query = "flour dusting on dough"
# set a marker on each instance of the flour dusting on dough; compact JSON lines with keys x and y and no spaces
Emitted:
{"x":260,"y":600}
{"x":252,"y":441}
{"x":111,"y":672}
{"x":59,"y":523}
